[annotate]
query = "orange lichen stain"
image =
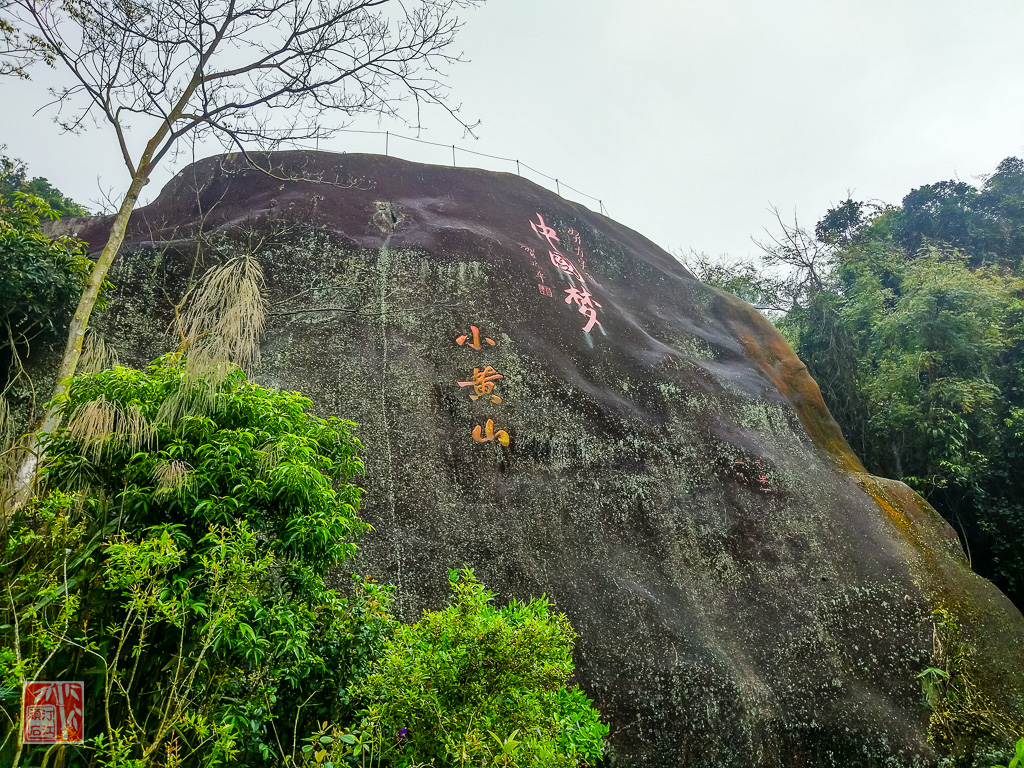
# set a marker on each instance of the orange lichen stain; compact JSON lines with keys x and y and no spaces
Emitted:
{"x":767,"y":349}
{"x":475,"y":343}
{"x":919,"y":525}
{"x":489,"y":434}
{"x":894,"y":514}
{"x":483,"y":383}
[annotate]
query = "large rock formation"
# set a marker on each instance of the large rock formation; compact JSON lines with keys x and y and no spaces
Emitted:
{"x":548,"y":397}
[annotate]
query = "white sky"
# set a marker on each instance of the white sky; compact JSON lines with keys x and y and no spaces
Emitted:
{"x":687,"y":118}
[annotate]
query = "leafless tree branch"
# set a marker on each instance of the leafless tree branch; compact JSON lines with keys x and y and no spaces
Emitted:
{"x":247,"y":73}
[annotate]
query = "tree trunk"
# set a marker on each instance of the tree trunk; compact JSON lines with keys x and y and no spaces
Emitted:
{"x":80,"y":321}
{"x":76,"y":330}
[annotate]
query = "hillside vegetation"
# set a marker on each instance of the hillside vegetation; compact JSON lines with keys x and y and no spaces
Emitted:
{"x":911,"y":320}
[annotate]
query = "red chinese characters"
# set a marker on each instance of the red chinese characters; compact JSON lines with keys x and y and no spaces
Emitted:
{"x":752,"y":475}
{"x":542,"y":286}
{"x":578,"y":294}
{"x":565,"y":265}
{"x":544,"y":232}
{"x":586,"y":303}
{"x":53,"y":713}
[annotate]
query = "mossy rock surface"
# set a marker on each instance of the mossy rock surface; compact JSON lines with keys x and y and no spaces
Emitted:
{"x":744,"y":593}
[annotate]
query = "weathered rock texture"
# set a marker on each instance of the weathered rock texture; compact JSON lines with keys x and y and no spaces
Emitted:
{"x":744,"y":593}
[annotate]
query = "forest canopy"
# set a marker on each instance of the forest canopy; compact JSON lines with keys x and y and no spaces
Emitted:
{"x":911,"y":320}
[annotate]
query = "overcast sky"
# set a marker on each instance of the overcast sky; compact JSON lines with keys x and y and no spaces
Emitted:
{"x":688,"y":119}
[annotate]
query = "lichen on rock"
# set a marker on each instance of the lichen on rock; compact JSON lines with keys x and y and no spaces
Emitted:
{"x":744,"y":592}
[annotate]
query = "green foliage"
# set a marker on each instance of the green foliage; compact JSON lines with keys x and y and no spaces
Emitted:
{"x":175,"y":559}
{"x":1018,"y":759}
{"x":42,"y":276}
{"x":987,"y":223}
{"x":177,"y":565}
{"x":169,"y":448}
{"x":476,"y":685}
{"x":911,"y":320}
{"x":841,"y":223}
{"x":937,"y":346}
{"x":14,"y":178}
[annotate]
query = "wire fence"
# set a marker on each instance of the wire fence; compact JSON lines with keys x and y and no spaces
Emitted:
{"x":455,"y":150}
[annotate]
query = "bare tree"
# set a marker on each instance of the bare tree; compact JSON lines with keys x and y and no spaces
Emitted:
{"x":748,"y":278}
{"x":807,"y":261}
{"x":793,"y":265}
{"x":252,"y":73}
{"x":17,"y":49}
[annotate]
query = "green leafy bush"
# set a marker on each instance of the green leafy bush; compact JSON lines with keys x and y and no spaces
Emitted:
{"x":42,"y":276}
{"x":476,"y":685}
{"x":175,"y":561}
{"x":1017,"y":760}
{"x":14,"y":178}
{"x":170,"y":448}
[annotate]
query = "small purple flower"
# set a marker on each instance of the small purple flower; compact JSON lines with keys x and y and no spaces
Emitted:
{"x":402,"y":733}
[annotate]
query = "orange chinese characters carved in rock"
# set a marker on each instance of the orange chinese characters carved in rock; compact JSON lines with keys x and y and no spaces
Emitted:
{"x":544,"y":290}
{"x":489,"y":434}
{"x":483,"y":383}
{"x":475,"y":343}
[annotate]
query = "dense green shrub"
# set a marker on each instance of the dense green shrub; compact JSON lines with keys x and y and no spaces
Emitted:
{"x":42,"y":277}
{"x":174,"y":558}
{"x":169,"y":448}
{"x":475,"y":685}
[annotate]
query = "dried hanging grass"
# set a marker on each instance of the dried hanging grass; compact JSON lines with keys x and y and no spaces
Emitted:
{"x":225,"y":318}
{"x":192,"y":397}
{"x":96,"y":421}
{"x":96,"y":355}
{"x":173,"y":478}
{"x":205,"y":365}
{"x":135,"y":430}
{"x":196,"y":393}
{"x":6,"y":424}
{"x":91,"y":424}
{"x":271,"y":455}
{"x":220,"y":331}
